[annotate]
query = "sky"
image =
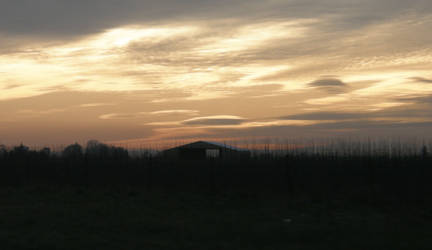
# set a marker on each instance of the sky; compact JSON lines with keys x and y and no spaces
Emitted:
{"x":138,"y":71}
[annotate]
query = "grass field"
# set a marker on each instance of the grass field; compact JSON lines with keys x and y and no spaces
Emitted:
{"x":75,"y":218}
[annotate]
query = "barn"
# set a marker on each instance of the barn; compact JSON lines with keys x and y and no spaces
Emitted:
{"x":203,"y":150}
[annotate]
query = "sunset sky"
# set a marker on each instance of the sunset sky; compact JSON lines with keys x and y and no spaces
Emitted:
{"x":141,"y":71}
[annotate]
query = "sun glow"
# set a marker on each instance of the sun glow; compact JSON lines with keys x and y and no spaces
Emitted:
{"x":121,"y":37}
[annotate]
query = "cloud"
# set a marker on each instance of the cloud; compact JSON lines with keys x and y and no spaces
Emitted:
{"x":217,"y":120}
{"x":359,"y":129}
{"x":170,"y":113}
{"x":330,"y":85}
{"x":163,"y":124}
{"x":396,"y":113}
{"x":421,"y":79}
{"x":117,"y":116}
{"x":41,"y":112}
{"x":175,"y":112}
{"x":327,"y":83}
{"x":84,"y":17}
{"x":11,"y":86}
{"x":323,"y":116}
{"x":417,"y":99}
{"x":178,"y":55}
{"x":92,"y":105}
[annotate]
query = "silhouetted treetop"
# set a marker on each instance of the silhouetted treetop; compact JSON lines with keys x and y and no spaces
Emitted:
{"x":20,"y":151}
{"x":3,"y":151}
{"x":425,"y":151}
{"x":96,"y":149}
{"x":73,"y":151}
{"x":45,"y":151}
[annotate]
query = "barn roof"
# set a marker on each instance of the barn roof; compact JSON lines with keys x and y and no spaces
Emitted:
{"x":207,"y":145}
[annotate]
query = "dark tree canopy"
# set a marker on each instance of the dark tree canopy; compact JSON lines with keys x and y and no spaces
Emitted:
{"x":96,"y":149}
{"x":73,"y":151}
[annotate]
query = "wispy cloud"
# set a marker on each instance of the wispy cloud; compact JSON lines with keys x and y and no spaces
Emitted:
{"x":115,"y":116}
{"x":175,"y":112}
{"x":12,"y":86}
{"x":215,"y":120}
{"x":41,"y":112}
{"x":421,"y":79}
{"x":204,"y":121}
{"x":92,"y":105}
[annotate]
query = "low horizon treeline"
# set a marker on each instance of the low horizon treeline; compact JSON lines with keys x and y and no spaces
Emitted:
{"x":270,"y":148}
{"x":358,"y":171}
{"x":93,"y":149}
{"x":277,"y":147}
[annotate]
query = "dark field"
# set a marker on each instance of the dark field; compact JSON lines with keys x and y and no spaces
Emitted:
{"x":109,"y":200}
{"x":128,"y":218}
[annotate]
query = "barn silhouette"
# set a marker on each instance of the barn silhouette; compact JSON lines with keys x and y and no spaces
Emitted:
{"x":203,"y":149}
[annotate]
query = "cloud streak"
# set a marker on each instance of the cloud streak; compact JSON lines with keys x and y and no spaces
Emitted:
{"x":421,"y":79}
{"x":175,"y":112}
{"x":217,"y":120}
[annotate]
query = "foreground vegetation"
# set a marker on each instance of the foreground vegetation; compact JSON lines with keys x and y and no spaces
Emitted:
{"x":130,"y":218}
{"x":102,"y":198}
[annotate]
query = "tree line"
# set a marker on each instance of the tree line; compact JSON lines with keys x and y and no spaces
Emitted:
{"x":93,"y":150}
